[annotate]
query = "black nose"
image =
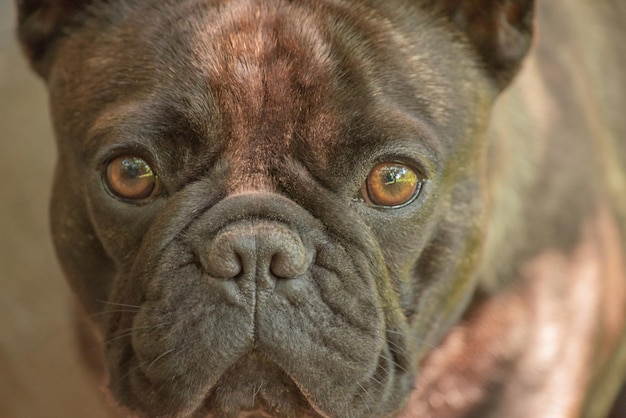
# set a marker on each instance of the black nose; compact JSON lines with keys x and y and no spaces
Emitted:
{"x":260,"y":249}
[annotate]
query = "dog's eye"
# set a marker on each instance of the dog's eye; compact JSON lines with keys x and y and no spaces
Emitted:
{"x":391,"y":185}
{"x":131,"y":178}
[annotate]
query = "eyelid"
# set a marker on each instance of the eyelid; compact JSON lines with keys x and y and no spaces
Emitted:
{"x":120,"y":148}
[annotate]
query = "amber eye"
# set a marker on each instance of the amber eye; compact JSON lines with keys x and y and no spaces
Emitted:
{"x":131,"y":178}
{"x":391,"y":185}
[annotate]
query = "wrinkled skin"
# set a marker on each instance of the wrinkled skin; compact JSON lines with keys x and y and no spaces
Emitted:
{"x":260,"y":280}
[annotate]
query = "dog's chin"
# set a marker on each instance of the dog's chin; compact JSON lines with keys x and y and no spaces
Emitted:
{"x":253,"y":387}
{"x":257,"y":387}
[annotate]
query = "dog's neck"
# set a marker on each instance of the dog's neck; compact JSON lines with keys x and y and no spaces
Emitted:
{"x":536,"y":339}
{"x":531,"y":258}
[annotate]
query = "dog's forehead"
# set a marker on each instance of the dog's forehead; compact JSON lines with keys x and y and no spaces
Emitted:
{"x":246,"y":36}
{"x":268,"y":69}
{"x":261,"y":81}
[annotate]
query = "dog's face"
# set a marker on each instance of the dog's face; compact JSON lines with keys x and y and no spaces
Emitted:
{"x":278,"y":204}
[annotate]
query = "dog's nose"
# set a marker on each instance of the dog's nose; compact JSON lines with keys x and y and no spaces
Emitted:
{"x":262,"y":249}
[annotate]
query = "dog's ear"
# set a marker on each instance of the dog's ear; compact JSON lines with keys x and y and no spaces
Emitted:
{"x":500,"y":30}
{"x":40,"y":24}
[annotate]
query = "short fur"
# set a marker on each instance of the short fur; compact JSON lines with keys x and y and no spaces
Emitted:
{"x":261,"y":283}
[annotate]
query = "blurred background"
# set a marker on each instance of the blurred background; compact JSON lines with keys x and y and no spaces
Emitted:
{"x":40,"y":371}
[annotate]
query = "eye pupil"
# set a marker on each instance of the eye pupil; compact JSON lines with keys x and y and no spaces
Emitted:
{"x":391,"y":185}
{"x":131,"y":167}
{"x":130,"y":178}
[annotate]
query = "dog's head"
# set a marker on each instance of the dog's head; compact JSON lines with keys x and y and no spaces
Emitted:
{"x":278,"y":204}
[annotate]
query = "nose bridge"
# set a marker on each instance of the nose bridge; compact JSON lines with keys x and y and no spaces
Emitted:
{"x":264,"y":251}
{"x":252,"y":168}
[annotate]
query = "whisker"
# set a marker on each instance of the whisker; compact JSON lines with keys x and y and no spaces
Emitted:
{"x":393,"y":362}
{"x":369,"y":406}
{"x":256,"y":392}
{"x":125,"y":305}
{"x":160,"y":357}
{"x":119,"y":336}
{"x":123,"y":333}
{"x":399,"y":349}
{"x":114,"y":311}
{"x":140,"y":365}
{"x":128,"y":373}
{"x":376,"y":378}
{"x":165,"y":382}
{"x":390,"y":331}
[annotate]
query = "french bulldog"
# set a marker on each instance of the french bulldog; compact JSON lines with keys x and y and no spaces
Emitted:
{"x":342,"y":208}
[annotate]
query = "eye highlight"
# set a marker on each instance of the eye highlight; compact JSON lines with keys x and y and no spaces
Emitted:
{"x":131,"y":178}
{"x":391,"y":185}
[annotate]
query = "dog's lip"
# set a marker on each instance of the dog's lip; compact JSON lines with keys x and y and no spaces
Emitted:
{"x":311,"y":408}
{"x":262,"y":414}
{"x":307,"y":396}
{"x":315,"y":411}
{"x":255,"y":414}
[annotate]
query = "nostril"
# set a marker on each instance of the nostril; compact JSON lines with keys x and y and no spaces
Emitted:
{"x":264,"y":249}
{"x":289,"y":259}
{"x":220,"y":260}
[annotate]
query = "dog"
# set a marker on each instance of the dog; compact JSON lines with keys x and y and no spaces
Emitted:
{"x":342,"y":208}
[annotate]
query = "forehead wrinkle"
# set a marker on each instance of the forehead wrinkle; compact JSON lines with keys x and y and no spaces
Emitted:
{"x":268,"y":71}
